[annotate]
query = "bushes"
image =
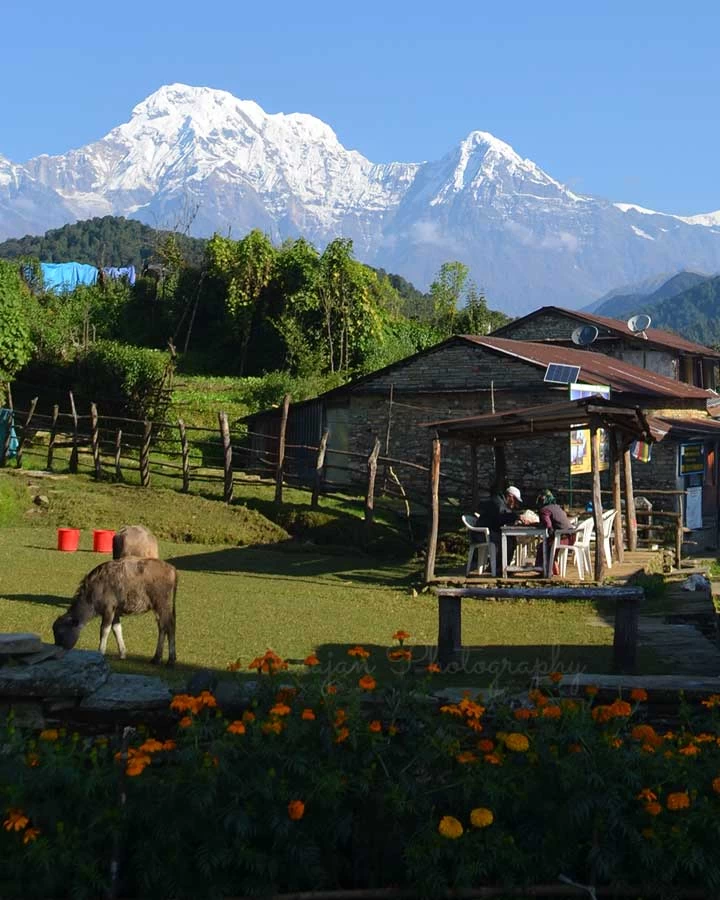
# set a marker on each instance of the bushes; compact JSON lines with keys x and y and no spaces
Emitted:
{"x":333,"y":781}
{"x":15,"y":340}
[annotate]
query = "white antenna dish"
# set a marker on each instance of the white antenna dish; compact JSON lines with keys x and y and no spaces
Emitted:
{"x":584,"y":335}
{"x":638,"y":324}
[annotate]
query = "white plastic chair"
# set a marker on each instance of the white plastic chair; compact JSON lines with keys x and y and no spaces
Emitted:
{"x":485,"y":549}
{"x":608,"y":525}
{"x":580,"y":549}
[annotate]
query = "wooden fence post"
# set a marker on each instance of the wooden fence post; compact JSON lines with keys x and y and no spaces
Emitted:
{"x":370,"y":493}
{"x":599,"y":567}
{"x":625,"y":640}
{"x":53,"y":435}
{"x":281,"y":449}
{"x":227,"y":457}
{"x":10,"y":424}
{"x":95,"y":441}
{"x":185,"y":456}
{"x":630,"y":514}
{"x":145,"y":455}
{"x":434,"y":523}
{"x":73,"y":466}
{"x":118,"y":451}
{"x":617,"y":495}
{"x":21,"y":444}
{"x":319,"y":465}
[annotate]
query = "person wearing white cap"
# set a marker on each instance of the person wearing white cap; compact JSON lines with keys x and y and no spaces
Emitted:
{"x":501,"y":510}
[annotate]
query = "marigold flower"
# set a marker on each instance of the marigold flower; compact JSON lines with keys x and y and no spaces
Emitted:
{"x":451,"y":709}
{"x":517,"y":742}
{"x":400,"y":655}
{"x":236,"y":728}
{"x":32,"y":760}
{"x":467,"y":756}
{"x":678,"y":800}
{"x":367,"y":683}
{"x":450,"y":828}
{"x":646,"y":794}
{"x":474,"y":725}
{"x":182,"y":703}
{"x":375,"y":726}
{"x":646,"y":734}
{"x":486,"y":745}
{"x":308,"y":715}
{"x":185,"y":722}
{"x":704,"y":738}
{"x":342,"y":735}
{"x":591,"y":690}
{"x":551,"y":712}
{"x":358,"y":651}
{"x":537,"y":697}
{"x":481,"y":817}
{"x":16,"y":820}
{"x":331,"y":689}
{"x":690,"y":750}
{"x":311,"y":660}
{"x":151,"y":746}
{"x":49,"y":734}
{"x":601,"y":714}
{"x":569,"y":705}
{"x":30,"y":835}
{"x":280,"y":709}
{"x":493,"y":759}
{"x":286,"y":695}
{"x":274,"y":727}
{"x":248,"y":716}
{"x":401,"y":636}
{"x":556,"y":677}
{"x":716,"y":785}
{"x":620,"y":709}
{"x":712,"y":700}
{"x":639,"y":695}
{"x":169,"y":745}
{"x":136,"y":766}
{"x":296,"y":810}
{"x":471,"y":709}
{"x":522,"y":714}
{"x":433,"y":668}
{"x":653,"y":808}
{"x":340,"y":717}
{"x":616,"y":743}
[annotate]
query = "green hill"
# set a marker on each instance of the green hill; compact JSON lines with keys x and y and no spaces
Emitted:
{"x":694,"y":313}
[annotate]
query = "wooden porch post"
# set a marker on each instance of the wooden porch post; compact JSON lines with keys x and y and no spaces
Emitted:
{"x":500,"y":467}
{"x":630,"y":516}
{"x":434,"y":517}
{"x":597,"y":502}
{"x":617,"y":495}
{"x":474,"y":475}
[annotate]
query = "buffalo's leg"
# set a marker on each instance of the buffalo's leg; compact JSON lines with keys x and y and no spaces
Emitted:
{"x":117,"y":631}
{"x":105,"y":627}
{"x":161,"y":641}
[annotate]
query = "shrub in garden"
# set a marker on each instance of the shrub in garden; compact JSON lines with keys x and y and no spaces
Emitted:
{"x":330,"y":779}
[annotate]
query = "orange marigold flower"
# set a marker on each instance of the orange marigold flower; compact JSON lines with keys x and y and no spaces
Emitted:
{"x":522,"y":714}
{"x":689,"y":750}
{"x":569,"y":705}
{"x":342,"y":735}
{"x":136,"y":766}
{"x":182,"y":703}
{"x":450,"y":828}
{"x":556,"y":677}
{"x":653,"y":808}
{"x":401,"y":635}
{"x":601,"y":714}
{"x":467,"y":756}
{"x":451,"y":709}
{"x":712,"y":700}
{"x":646,"y":794}
{"x":286,"y":695}
{"x":331,"y":689}
{"x":646,"y":734}
{"x":16,"y":820}
{"x":274,"y":727}
{"x":151,"y":745}
{"x":481,"y":817}
{"x":716,"y":785}
{"x":169,"y":745}
{"x":493,"y":759}
{"x":517,"y":742}
{"x":537,"y":697}
{"x":647,"y":748}
{"x":296,"y":810}
{"x":311,"y":660}
{"x":399,"y":655}
{"x":30,"y":835}
{"x":49,"y":734}
{"x":616,"y":743}
{"x":280,"y":709}
{"x":248,"y":716}
{"x":486,"y":745}
{"x":620,"y":709}
{"x":471,"y":709}
{"x":551,"y":712}
{"x":236,"y":728}
{"x":358,"y":651}
{"x":639,"y":695}
{"x":340,"y":717}
{"x":205,"y":698}
{"x":367,"y":683}
{"x":433,"y":668}
{"x":475,"y":725}
{"x":308,"y":715}
{"x":591,"y":690}
{"x":185,"y":722}
{"x":32,"y":760}
{"x":704,"y":738}
{"x":375,"y":726}
{"x":678,"y":800}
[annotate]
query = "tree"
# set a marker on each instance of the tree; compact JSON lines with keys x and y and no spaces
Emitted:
{"x":447,"y":292}
{"x":15,"y":342}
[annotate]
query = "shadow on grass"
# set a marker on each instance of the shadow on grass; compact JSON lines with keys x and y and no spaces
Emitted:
{"x":39,"y":599}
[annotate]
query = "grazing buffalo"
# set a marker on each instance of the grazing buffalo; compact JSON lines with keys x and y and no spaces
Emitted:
{"x":135,"y":540}
{"x":122,"y":587}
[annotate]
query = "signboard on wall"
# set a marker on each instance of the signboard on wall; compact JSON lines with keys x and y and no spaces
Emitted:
{"x":692,"y":460}
{"x":580,"y":460}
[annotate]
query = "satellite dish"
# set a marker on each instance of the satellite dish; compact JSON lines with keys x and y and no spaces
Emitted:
{"x":639,"y":323}
{"x":584,"y":335}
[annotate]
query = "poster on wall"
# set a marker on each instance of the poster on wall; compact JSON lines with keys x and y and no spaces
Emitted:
{"x":580,"y":461}
{"x":693,"y":508}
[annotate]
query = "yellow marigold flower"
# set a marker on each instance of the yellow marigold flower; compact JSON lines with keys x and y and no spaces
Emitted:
{"x":401,"y":636}
{"x":493,"y":759}
{"x":248,"y":716}
{"x":551,"y":712}
{"x":716,"y":785}
{"x":522,"y":714}
{"x":32,"y":760}
{"x":450,"y":827}
{"x":591,"y":690}
{"x":467,"y":756}
{"x":399,"y":655}
{"x":49,"y":734}
{"x":517,"y":742}
{"x":358,"y":651}
{"x":375,"y":726}
{"x":481,"y":817}
{"x":308,"y":715}
{"x":646,"y":794}
{"x":342,"y":735}
{"x":639,"y":695}
{"x":689,"y":750}
{"x":367,"y":683}
{"x":556,"y":677}
{"x":30,"y":835}
{"x":433,"y":668}
{"x":486,"y":745}
{"x":678,"y":800}
{"x":311,"y":660}
{"x":151,"y":746}
{"x":236,"y":728}
{"x":296,"y":810}
{"x":16,"y":820}
{"x":280,"y":709}
{"x":185,"y":722}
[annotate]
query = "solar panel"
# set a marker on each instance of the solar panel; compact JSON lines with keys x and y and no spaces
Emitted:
{"x":561,"y":374}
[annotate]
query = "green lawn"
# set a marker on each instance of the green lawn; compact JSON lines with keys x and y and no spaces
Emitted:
{"x":235,"y":601}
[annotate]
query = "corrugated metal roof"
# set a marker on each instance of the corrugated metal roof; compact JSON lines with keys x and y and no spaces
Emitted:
{"x":654,"y":335}
{"x":689,"y":427}
{"x":595,"y":368}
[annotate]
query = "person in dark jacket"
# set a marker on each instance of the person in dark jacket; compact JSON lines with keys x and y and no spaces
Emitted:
{"x":554,"y":518}
{"x":499,"y":510}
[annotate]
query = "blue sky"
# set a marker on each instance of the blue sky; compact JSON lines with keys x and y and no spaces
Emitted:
{"x":620,"y":100}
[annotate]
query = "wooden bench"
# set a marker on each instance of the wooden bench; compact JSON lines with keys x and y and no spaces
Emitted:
{"x":627,"y":614}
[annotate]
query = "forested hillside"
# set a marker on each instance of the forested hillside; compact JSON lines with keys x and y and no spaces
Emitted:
{"x":695,"y":313}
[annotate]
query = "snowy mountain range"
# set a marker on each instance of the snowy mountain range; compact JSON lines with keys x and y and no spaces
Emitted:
{"x":528,"y":239}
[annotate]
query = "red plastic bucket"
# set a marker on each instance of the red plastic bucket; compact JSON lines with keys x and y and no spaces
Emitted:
{"x":102,"y":540}
{"x":68,"y":539}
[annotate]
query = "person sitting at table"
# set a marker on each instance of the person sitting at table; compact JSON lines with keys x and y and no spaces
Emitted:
{"x":501,"y":509}
{"x":554,"y":518}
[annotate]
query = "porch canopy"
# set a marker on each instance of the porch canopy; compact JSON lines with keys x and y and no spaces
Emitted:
{"x":623,"y":423}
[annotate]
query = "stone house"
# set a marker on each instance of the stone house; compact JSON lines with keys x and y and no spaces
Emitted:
{"x":469,"y":375}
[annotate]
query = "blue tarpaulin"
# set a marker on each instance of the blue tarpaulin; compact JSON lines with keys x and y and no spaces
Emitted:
{"x":63,"y":277}
{"x":121,"y":272}
{"x":5,"y":420}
